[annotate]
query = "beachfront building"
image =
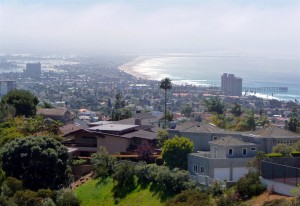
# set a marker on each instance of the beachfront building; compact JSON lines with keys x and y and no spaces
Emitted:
{"x":231,"y":85}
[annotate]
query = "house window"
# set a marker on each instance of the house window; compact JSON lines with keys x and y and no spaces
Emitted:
{"x":253,"y":149}
{"x":201,"y":169}
{"x":230,"y":152}
{"x":215,"y":138}
{"x":244,"y":151}
{"x":195,"y":168}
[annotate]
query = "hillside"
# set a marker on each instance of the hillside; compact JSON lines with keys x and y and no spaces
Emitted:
{"x":95,"y":193}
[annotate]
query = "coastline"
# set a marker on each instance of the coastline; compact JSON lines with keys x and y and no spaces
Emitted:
{"x":128,"y":67}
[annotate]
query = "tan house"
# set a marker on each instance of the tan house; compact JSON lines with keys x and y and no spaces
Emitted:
{"x":116,"y":138}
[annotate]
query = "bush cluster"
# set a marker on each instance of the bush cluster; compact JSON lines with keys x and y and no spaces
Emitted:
{"x":169,"y":181}
{"x":13,"y":193}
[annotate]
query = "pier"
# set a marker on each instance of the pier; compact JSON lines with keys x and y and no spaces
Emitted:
{"x":266,"y":89}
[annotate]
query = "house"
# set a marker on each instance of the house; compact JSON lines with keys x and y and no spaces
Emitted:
{"x":59,"y":114}
{"x":227,"y":159}
{"x":116,"y":138}
{"x":224,"y":155}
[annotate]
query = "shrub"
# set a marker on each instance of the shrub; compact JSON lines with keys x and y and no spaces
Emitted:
{"x":175,"y":152}
{"x":283,"y":149}
{"x":27,"y":198}
{"x":103,"y":163}
{"x":48,"y":202}
{"x":66,"y":197}
{"x":249,"y":186}
{"x":10,"y":186}
{"x":124,"y":174}
{"x":272,"y":155}
{"x":159,"y":161}
{"x":189,"y":198}
{"x":78,"y":162}
{"x":45,"y":193}
{"x":40,"y":162}
{"x":295,"y":153}
{"x":3,"y":201}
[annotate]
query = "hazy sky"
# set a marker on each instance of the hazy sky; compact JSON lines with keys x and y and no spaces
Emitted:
{"x":149,"y":26}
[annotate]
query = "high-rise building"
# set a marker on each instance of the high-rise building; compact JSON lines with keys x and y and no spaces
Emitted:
{"x":33,"y":70}
{"x":231,"y":85}
{"x":6,"y":86}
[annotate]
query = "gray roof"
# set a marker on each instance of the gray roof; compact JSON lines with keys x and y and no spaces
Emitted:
{"x":202,"y":127}
{"x":273,"y":131}
{"x":230,"y":141}
{"x":141,"y":134}
{"x":112,"y":127}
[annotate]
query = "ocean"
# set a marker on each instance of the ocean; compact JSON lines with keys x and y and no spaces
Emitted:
{"x":207,"y":70}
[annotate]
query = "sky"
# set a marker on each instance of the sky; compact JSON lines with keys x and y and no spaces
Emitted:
{"x":260,"y":28}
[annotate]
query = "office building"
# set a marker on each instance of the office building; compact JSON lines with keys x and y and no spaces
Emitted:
{"x":33,"y":70}
{"x":231,"y":85}
{"x":6,"y":86}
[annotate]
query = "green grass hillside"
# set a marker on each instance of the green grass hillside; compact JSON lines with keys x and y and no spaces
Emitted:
{"x":95,"y":193}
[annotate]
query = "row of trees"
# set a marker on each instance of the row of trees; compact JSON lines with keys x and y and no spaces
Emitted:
{"x":124,"y":172}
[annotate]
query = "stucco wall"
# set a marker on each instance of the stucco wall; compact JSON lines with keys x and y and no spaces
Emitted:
{"x":113,"y":144}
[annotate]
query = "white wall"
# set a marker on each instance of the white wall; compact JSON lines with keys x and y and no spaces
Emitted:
{"x":278,"y":187}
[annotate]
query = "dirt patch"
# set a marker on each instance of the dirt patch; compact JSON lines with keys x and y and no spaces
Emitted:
{"x":261,"y":199}
{"x":81,"y":181}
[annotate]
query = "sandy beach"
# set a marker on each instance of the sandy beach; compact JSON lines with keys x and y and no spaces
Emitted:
{"x":128,"y":67}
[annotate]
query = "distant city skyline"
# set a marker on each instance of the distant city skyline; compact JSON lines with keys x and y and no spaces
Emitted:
{"x":261,"y":28}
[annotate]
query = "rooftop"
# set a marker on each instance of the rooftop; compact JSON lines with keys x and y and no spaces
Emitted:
{"x":230,"y":141}
{"x":112,"y":127}
{"x":141,"y":134}
{"x":197,"y":127}
{"x":51,"y":111}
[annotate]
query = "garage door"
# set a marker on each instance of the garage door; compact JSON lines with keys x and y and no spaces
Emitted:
{"x":239,"y":172}
{"x":222,"y":173}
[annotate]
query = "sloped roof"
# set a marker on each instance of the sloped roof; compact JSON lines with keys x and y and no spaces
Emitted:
{"x":273,"y":131}
{"x":230,"y":141}
{"x":141,"y":134}
{"x":69,"y":128}
{"x":51,"y":111}
{"x":192,"y":126}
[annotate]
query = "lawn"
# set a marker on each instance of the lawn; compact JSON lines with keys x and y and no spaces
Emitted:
{"x":94,"y":193}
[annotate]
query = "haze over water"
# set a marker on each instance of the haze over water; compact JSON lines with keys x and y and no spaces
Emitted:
{"x":207,"y":70}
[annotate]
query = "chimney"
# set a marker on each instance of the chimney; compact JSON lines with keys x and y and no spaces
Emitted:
{"x":138,"y":121}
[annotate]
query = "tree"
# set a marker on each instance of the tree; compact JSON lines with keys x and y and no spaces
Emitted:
{"x":256,"y":162}
{"x":124,"y":174}
{"x":250,"y":120}
{"x":162,"y":136}
{"x":6,"y":112}
{"x":214,"y":104}
{"x":236,"y":110}
{"x":249,"y":186}
{"x":187,"y":110}
{"x":66,"y":197}
{"x":103,"y":163}
{"x":294,"y":121}
{"x":145,"y":152}
{"x":23,"y":101}
{"x":120,"y":103}
{"x":283,"y":149}
{"x":40,"y":162}
{"x":175,"y":152}
{"x":165,"y":84}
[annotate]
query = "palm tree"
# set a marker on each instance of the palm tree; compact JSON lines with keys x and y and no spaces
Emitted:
{"x":165,"y":84}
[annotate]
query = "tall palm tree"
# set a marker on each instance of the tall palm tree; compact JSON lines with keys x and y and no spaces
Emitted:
{"x":165,"y":84}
